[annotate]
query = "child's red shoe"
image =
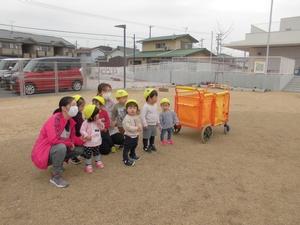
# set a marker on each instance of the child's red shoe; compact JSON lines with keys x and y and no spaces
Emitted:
{"x":164,"y":142}
{"x":170,"y":142}
{"x":99,"y":165}
{"x":88,"y":169}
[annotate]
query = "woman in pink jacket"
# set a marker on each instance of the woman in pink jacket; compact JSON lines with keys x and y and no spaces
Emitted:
{"x":57,"y":141}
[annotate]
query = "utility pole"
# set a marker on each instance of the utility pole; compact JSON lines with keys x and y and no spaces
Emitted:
{"x":185,"y":30}
{"x":123,"y":26}
{"x":201,"y":42}
{"x":150,"y":31}
{"x":219,"y":43}
{"x":268,"y":39}
{"x":134,"y":48}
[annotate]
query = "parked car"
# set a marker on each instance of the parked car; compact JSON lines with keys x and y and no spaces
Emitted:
{"x":21,"y":63}
{"x":40,"y":76}
{"x":5,"y":66}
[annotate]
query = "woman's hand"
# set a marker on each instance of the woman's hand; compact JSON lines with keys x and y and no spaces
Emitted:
{"x":72,"y":147}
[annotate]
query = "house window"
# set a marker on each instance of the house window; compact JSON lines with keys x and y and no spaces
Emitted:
{"x":160,"y":45}
{"x":5,"y":45}
{"x":45,"y":48}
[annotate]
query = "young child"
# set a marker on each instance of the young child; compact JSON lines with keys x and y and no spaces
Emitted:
{"x":105,"y":147}
{"x":132,"y":126}
{"x":91,"y":131}
{"x":119,"y":111}
{"x":168,"y":119}
{"x":104,"y":90}
{"x":79,"y":120}
{"x":150,"y":119}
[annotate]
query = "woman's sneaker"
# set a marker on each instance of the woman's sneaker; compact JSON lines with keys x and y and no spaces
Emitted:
{"x":88,"y":169}
{"x":59,"y":182}
{"x":75,"y":161}
{"x":152,"y":148}
{"x":129,"y":162}
{"x":99,"y":165}
{"x":170,"y":142}
{"x":146,"y":149}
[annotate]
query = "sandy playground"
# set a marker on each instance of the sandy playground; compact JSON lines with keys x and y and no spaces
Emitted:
{"x":249,"y":177}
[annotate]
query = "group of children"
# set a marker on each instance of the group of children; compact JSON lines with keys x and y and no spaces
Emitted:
{"x":106,"y":126}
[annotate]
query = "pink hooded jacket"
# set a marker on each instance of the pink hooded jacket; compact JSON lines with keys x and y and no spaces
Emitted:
{"x":50,"y":135}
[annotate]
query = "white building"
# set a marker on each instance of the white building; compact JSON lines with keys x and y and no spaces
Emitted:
{"x":92,"y":55}
{"x":119,"y":51}
{"x":285,"y":42}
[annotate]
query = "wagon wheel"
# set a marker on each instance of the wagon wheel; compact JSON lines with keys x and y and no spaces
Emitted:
{"x":206,"y":134}
{"x":226,"y":128}
{"x":177,"y":129}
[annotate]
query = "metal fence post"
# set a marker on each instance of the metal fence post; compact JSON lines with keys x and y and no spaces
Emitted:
{"x":85,"y":75}
{"x":98,"y":72}
{"x":56,"y":77}
{"x":21,"y":79}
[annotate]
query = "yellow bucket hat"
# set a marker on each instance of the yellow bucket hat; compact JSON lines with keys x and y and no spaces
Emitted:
{"x":147,"y":92}
{"x":77,"y":97}
{"x":165,"y":100}
{"x":99,"y":99}
{"x":121,"y":93}
{"x":88,"y":110}
{"x":131,"y":101}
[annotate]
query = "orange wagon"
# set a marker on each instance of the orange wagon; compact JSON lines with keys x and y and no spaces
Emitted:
{"x":200,"y":109}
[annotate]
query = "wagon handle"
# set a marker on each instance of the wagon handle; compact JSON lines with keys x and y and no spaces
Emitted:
{"x":187,"y":88}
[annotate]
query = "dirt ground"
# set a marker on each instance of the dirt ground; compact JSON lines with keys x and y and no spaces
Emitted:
{"x":249,"y":177}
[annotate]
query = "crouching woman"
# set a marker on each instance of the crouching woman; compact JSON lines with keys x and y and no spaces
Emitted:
{"x":57,"y":141}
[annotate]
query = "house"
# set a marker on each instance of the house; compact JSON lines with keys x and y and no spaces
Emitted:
{"x":94,"y":55}
{"x":285,"y":42}
{"x":119,"y":51}
{"x":104,"y":56}
{"x":164,"y":48}
{"x":28,"y":45}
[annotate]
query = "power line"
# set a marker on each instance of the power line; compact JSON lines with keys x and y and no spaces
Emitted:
{"x":65,"y":31}
{"x":50,"y":6}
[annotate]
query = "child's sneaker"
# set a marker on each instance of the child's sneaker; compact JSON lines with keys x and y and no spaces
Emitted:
{"x":75,"y":161}
{"x":99,"y":165}
{"x":135,"y":158}
{"x":152,"y":148}
{"x":146,"y":149}
{"x":59,"y":182}
{"x":129,"y":162}
{"x":170,"y":142}
{"x":164,"y":142}
{"x":88,"y":169}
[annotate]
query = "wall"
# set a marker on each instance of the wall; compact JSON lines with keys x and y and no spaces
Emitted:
{"x":95,"y":53}
{"x":288,"y":52}
{"x":290,"y":23}
{"x":151,"y":46}
{"x":273,"y":82}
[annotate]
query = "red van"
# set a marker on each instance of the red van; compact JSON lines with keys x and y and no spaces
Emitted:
{"x":40,"y":76}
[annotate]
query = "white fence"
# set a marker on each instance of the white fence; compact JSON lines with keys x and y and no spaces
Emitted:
{"x":236,"y":72}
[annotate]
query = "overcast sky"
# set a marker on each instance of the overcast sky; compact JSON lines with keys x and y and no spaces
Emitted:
{"x":167,"y":17}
